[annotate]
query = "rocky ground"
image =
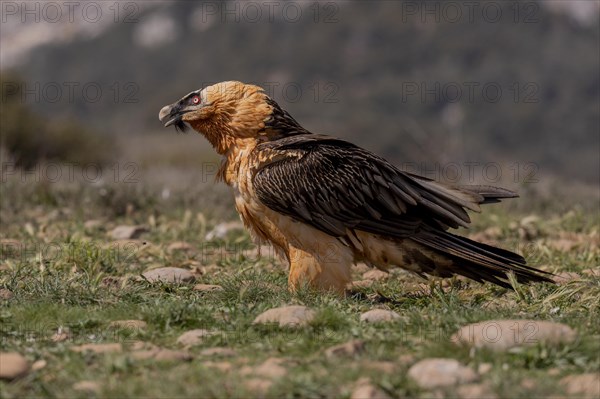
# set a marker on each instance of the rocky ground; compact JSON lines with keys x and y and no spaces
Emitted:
{"x":175,"y":302}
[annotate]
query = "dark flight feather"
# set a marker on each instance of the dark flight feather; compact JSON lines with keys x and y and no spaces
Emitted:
{"x":337,"y":187}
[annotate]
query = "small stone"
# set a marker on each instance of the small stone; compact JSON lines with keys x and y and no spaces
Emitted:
{"x":554,"y":371}
{"x":475,"y":391}
{"x":161,"y":354}
{"x":193,"y":337}
{"x":127,"y":232}
{"x":375,"y":275}
{"x":38,"y":365}
{"x":92,"y":224}
{"x":286,"y":316}
{"x":224,"y":367}
{"x":436,"y":373}
{"x":493,"y":232}
{"x":259,"y":385}
{"x":406,"y":359}
{"x":12,"y":366}
{"x":98,"y":348}
{"x":361,"y":284}
{"x":366,"y":390}
{"x":566,"y":277}
{"x":382,"y":366}
{"x":528,"y":383}
{"x":218,"y":352}
{"x":271,"y":368}
{"x":586,"y":385}
{"x":502,"y":335}
{"x":180,"y":246}
{"x":86,"y":386}
{"x":5,"y":294}
{"x":592,"y":272}
{"x":361,"y":268}
{"x":349,"y":349}
{"x":378,"y":316}
{"x":132,"y":325}
{"x":141,"y":345}
{"x":207,"y":287}
{"x":484,"y":368}
{"x":169,"y":275}
{"x":221,"y":230}
{"x":60,"y":336}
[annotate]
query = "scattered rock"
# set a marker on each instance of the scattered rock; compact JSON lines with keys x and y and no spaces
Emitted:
{"x":161,"y":354}
{"x":566,"y":277}
{"x":86,"y":386}
{"x":435,"y":373}
{"x":181,"y":246}
{"x":587,"y":385}
{"x":382,"y":366}
{"x":484,"y":368}
{"x":38,"y":365}
{"x":361,"y":284}
{"x":378,"y":316}
{"x":375,"y":275}
{"x":141,"y":345}
{"x":270,"y":368}
{"x":92,"y":224}
{"x":406,"y":359}
{"x":218,"y":352}
{"x":528,"y":383}
{"x":361,"y":268}
{"x":286,"y":316}
{"x":348,"y":349}
{"x":207,"y":287}
{"x":493,"y":232}
{"x":60,"y":336}
{"x":193,"y":337}
{"x":224,"y":367}
{"x":127,"y":232}
{"x":98,"y":348}
{"x":592,"y":272}
{"x":502,"y":335}
{"x":259,"y":385}
{"x":12,"y":365}
{"x":169,"y":275}
{"x":5,"y":294}
{"x":475,"y":391}
{"x":563,"y":244}
{"x":366,"y":390}
{"x":221,"y":230}
{"x":132,"y":325}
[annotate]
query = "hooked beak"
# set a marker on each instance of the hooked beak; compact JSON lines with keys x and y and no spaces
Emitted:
{"x":171,"y":115}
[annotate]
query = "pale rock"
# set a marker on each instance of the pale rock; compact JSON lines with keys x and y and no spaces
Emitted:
{"x":348,"y":349}
{"x":502,"y":335}
{"x":378,"y":316}
{"x":127,"y":232}
{"x":169,"y":275}
{"x":13,"y":365}
{"x":286,"y":316}
{"x":436,"y":372}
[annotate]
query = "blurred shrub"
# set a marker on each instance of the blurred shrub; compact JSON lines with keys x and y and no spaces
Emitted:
{"x":29,"y":138}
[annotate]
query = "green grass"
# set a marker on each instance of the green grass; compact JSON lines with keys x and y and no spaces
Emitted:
{"x":76,"y":279}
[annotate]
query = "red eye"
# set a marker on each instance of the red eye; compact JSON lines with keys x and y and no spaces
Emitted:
{"x":195,"y":100}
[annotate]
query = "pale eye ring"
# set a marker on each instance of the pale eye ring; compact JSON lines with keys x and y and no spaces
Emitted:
{"x":195,"y":100}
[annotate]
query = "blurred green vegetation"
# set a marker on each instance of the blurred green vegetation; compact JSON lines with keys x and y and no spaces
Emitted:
{"x":30,"y":138}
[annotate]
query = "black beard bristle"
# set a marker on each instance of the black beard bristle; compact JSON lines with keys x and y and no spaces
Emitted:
{"x":180,"y":126}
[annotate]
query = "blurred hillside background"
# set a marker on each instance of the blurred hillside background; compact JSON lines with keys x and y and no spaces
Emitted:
{"x":441,"y":88}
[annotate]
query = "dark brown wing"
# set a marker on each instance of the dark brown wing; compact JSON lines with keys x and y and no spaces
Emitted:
{"x":334,"y":185}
